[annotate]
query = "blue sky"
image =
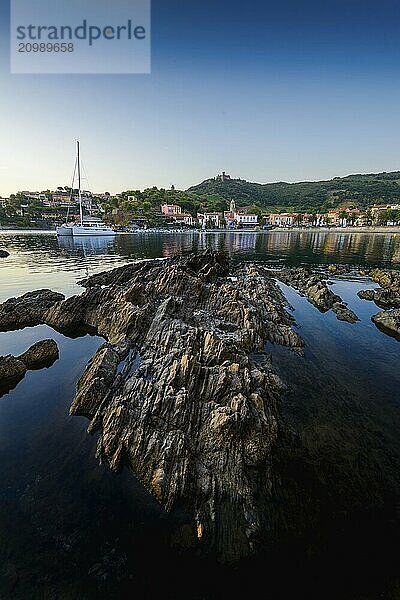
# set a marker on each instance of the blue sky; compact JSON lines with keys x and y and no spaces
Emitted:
{"x":267,"y":91}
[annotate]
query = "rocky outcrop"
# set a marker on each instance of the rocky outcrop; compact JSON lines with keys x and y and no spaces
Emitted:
{"x":366,"y":294}
{"x":384,"y":298}
{"x":388,"y":321}
{"x":310,"y":284}
{"x":4,"y":254}
{"x":177,"y":396}
{"x":40,"y":355}
{"x":313,"y":285}
{"x":388,"y":295}
{"x":343,"y":313}
{"x":13,"y":368}
{"x":183,"y":393}
{"x":387,"y":278}
{"x":27,"y":310}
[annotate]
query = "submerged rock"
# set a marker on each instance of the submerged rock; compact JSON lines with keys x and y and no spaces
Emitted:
{"x":4,"y":254}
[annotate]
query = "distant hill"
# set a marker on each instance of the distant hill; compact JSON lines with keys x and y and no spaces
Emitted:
{"x":353,"y":190}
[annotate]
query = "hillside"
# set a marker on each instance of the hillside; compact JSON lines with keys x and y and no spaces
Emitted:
{"x":353,"y":190}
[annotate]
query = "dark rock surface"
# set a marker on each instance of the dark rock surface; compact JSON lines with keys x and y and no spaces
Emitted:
{"x":388,"y":321}
{"x":40,"y":355}
{"x":387,"y":297}
{"x":177,"y":396}
{"x":4,"y":254}
{"x":27,"y":310}
{"x":343,"y":313}
{"x":13,"y":368}
{"x":313,"y":285}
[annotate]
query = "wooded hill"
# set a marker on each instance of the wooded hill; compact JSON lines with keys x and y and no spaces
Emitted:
{"x":309,"y":196}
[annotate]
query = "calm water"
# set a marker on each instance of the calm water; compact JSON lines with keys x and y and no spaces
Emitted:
{"x":37,"y":258}
{"x":70,"y":529}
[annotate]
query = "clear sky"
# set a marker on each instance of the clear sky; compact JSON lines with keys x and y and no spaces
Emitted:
{"x":267,"y":91}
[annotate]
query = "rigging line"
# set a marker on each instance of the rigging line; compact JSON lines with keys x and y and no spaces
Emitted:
{"x":72,"y":188}
{"x":86,"y":178}
{"x":85,"y":174}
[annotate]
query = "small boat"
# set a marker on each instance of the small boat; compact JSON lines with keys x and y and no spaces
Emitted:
{"x":87,"y":226}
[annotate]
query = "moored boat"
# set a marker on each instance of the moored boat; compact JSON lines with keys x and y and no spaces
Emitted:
{"x":87,"y":226}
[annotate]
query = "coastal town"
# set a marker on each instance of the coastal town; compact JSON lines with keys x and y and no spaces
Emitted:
{"x":130,"y":211}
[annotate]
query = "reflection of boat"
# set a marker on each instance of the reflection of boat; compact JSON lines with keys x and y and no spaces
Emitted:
{"x":86,"y":245}
{"x":87,"y":226}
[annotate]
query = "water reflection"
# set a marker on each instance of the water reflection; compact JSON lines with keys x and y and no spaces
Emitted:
{"x":85,"y":246}
{"x":293,"y":247}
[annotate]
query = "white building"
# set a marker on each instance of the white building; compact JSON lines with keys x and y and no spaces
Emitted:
{"x":282,"y":220}
{"x":212,"y":219}
{"x":239,"y":216}
{"x":246,"y":219}
{"x":184,"y":219}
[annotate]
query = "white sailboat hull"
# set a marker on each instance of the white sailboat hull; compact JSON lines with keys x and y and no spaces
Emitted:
{"x":64,"y":230}
{"x":103,"y":230}
{"x":99,"y":229}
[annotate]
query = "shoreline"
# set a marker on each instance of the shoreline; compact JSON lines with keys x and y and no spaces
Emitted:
{"x":366,"y":229}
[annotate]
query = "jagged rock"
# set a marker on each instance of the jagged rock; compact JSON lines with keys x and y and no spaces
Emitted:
{"x":4,"y":254}
{"x":387,"y":278}
{"x":27,"y":310}
{"x":11,"y":369}
{"x":176,"y":395}
{"x":343,"y":313}
{"x":40,"y":355}
{"x":340,"y":269}
{"x":96,"y":381}
{"x":388,"y":295}
{"x":388,"y":321}
{"x":366,"y":294}
{"x":384,"y":298}
{"x":313,"y":285}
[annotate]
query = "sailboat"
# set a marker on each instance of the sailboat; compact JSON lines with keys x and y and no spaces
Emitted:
{"x":88,"y":226}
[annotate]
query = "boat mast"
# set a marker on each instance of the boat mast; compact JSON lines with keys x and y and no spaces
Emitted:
{"x":79,"y":185}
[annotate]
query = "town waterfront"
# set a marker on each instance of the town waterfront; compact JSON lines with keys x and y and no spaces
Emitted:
{"x":70,"y":528}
